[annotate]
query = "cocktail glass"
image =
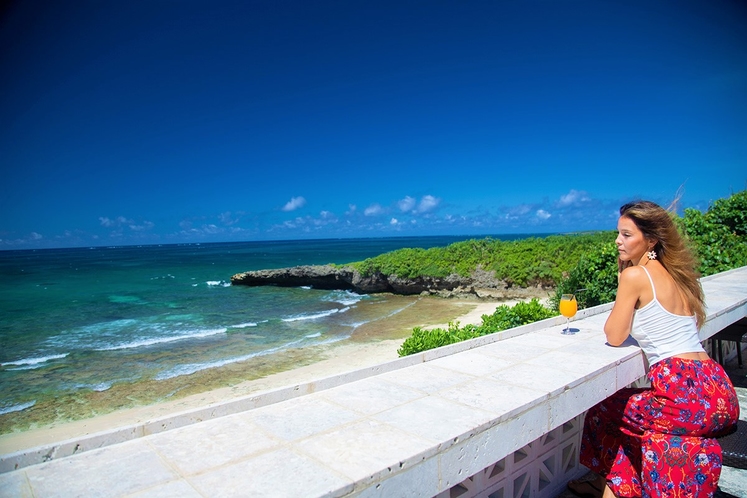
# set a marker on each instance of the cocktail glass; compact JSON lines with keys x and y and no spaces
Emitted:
{"x":568,"y":308}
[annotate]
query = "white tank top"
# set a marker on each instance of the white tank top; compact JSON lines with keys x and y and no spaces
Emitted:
{"x":662,"y":334}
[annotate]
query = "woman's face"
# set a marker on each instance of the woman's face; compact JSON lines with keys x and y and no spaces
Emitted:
{"x":631,"y":244}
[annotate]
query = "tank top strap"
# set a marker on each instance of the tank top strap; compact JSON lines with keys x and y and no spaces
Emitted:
{"x":653,"y":289}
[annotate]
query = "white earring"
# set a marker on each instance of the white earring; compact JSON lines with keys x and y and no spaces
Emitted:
{"x":651,"y":254}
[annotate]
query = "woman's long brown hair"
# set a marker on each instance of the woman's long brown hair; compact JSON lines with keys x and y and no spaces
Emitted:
{"x":675,"y":256}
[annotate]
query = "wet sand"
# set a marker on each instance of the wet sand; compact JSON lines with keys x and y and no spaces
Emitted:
{"x":374,"y":344}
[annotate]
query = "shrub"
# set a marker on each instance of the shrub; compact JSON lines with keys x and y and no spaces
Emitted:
{"x":423,"y":340}
{"x":593,"y":280}
{"x":503,"y":318}
{"x":719,"y":235}
{"x":531,"y":261}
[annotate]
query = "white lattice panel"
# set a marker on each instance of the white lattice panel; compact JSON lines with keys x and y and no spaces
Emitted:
{"x":539,"y":469}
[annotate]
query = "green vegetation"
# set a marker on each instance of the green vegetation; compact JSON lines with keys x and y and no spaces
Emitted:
{"x":532,"y":261}
{"x":594,"y":278}
{"x":719,"y":235}
{"x":503,"y":318}
{"x":570,"y":262}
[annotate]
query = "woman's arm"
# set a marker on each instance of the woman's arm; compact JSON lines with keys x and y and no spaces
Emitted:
{"x":618,"y":325}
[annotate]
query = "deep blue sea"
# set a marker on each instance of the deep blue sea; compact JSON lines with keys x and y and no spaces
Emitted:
{"x":76,"y":322}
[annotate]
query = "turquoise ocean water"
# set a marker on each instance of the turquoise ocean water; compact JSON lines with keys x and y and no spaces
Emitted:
{"x":86,"y":320}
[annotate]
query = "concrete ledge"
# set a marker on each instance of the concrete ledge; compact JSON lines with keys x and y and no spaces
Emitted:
{"x":46,"y":453}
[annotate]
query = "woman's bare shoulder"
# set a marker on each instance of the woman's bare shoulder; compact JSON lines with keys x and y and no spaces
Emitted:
{"x":633,"y":275}
{"x":635,"y":285}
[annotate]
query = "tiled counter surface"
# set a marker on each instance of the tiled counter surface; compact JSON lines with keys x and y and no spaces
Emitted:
{"x":408,"y":431}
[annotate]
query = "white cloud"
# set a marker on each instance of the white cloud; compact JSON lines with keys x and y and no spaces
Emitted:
{"x":573,"y":197}
{"x":352,"y":208}
{"x":428,"y":203}
{"x":204,"y":229}
{"x":406,"y":204}
{"x":211,"y":229}
{"x":294,"y":203}
{"x":146,"y":225}
{"x":228,"y":219}
{"x":373,"y":210}
{"x":393,"y":221}
{"x":542,"y":214}
{"x":121,"y":221}
{"x":307,"y":223}
{"x":106,"y":222}
{"x":409,"y":204}
{"x":36,"y":236}
{"x":518,"y":211}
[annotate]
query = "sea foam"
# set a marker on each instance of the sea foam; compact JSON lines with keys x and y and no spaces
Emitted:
{"x":130,"y":333}
{"x":16,"y":408}
{"x":314,"y":316}
{"x":33,"y":362}
{"x":243,"y":325}
{"x":100,"y":387}
{"x":190,"y":368}
{"x":346,"y":298}
{"x":162,"y":340}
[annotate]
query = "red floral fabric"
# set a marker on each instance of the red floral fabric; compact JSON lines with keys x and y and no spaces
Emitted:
{"x":679,"y":466}
{"x":658,"y":441}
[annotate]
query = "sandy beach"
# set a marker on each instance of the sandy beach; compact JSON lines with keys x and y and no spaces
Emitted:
{"x":339,"y":358}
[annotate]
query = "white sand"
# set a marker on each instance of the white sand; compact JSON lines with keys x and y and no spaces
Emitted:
{"x":342,"y":358}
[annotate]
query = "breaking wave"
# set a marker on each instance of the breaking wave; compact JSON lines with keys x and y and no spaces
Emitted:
{"x":33,"y":362}
{"x":16,"y":408}
{"x":314,"y":316}
{"x":346,"y":298}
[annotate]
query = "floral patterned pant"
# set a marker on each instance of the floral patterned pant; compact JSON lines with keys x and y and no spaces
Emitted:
{"x":647,"y":441}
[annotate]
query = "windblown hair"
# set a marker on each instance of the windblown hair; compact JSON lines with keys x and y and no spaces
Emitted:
{"x":656,"y":224}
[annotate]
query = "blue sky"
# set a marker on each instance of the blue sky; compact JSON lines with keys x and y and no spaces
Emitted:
{"x":138,"y":122}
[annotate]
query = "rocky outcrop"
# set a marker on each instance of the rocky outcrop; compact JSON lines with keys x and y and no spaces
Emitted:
{"x":320,"y":277}
{"x":481,"y":283}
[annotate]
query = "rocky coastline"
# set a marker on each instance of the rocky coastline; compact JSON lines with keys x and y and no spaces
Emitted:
{"x":480,"y":283}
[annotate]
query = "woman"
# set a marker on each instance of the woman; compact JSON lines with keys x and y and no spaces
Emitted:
{"x":660,"y":304}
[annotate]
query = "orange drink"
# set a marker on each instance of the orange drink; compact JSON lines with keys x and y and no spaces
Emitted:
{"x":569,"y":307}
